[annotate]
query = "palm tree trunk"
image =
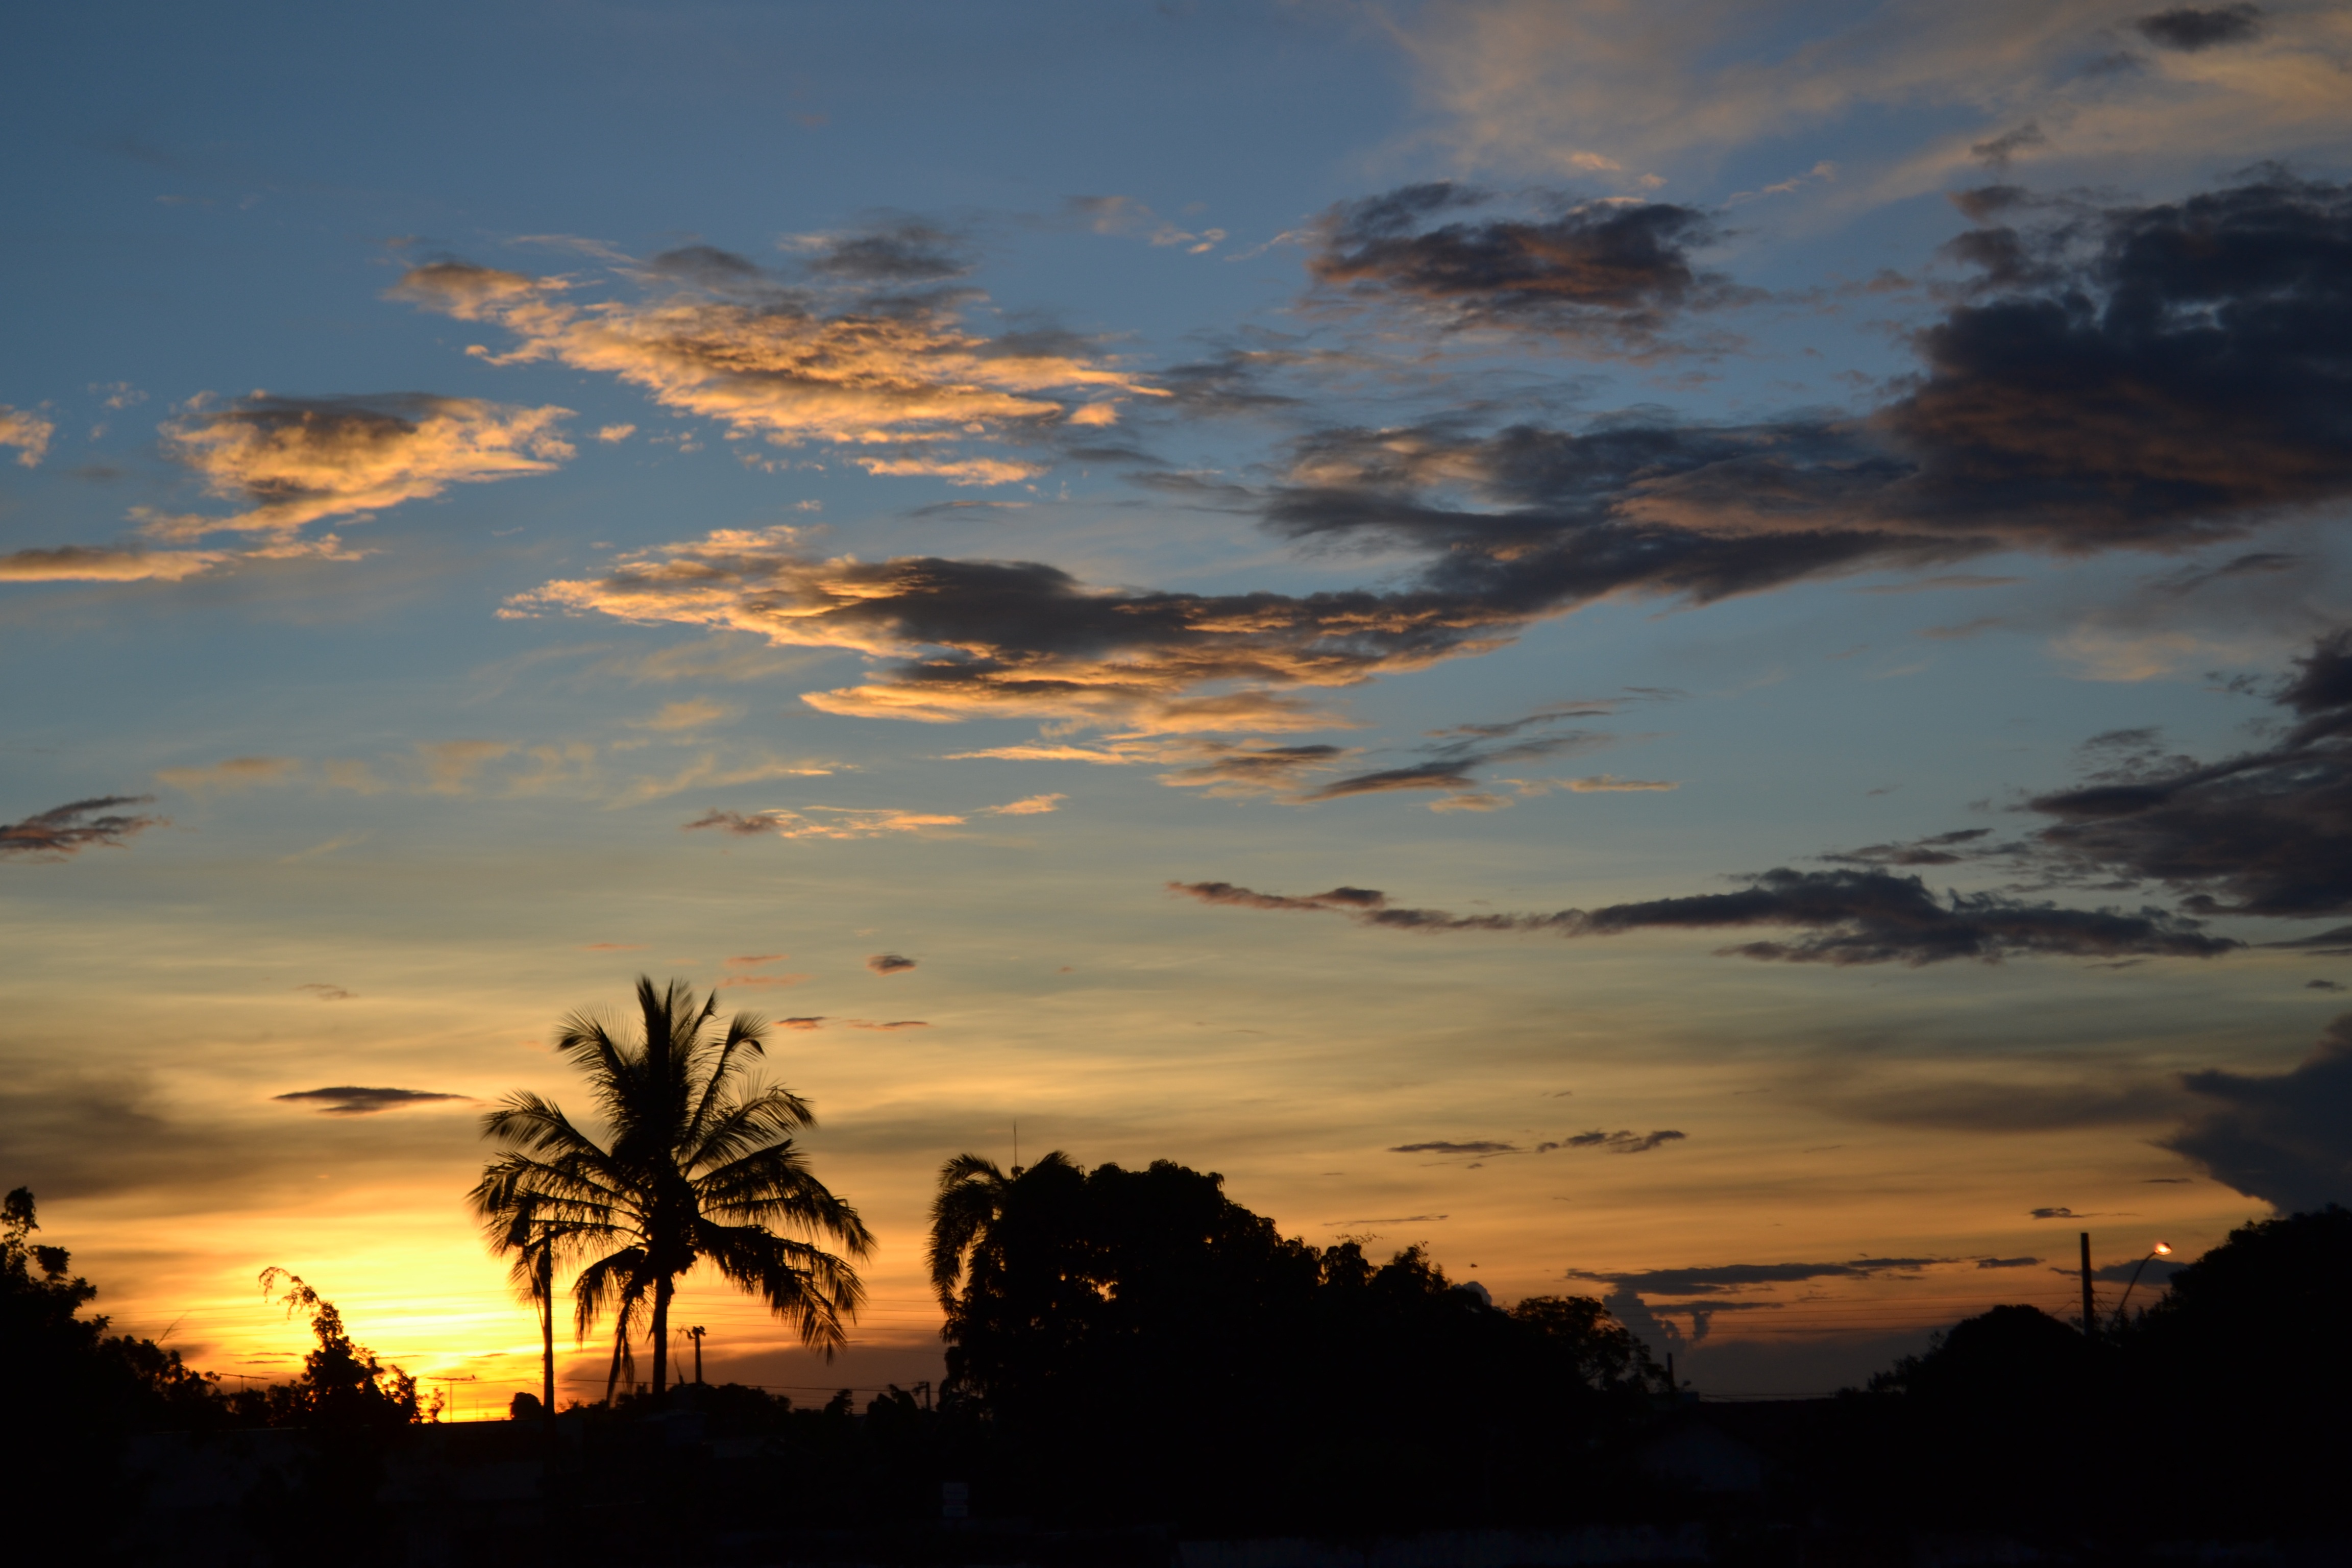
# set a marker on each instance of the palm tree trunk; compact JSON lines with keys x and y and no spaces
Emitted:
{"x":546,"y":1283}
{"x":661,"y":1335}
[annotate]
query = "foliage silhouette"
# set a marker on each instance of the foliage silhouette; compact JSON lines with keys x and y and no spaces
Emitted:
{"x":342,"y":1387}
{"x":701,"y":1164}
{"x":1142,"y":1347}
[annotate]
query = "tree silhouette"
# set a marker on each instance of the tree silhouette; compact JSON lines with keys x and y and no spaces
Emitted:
{"x":344,"y":1387}
{"x":701,"y":1165}
{"x":972,"y":1199}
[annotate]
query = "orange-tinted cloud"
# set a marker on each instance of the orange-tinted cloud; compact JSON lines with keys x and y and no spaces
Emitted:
{"x":1023,"y":638}
{"x":713,"y":336}
{"x":25,"y":431}
{"x":89,"y":564}
{"x":296,"y":460}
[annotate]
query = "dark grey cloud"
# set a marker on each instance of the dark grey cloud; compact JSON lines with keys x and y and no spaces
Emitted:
{"x":889,"y":963}
{"x":348,"y":1100}
{"x":1452,"y":765}
{"x":1606,"y":274}
{"x":2284,"y":1137}
{"x":63,"y":831}
{"x":2151,"y":377}
{"x":1938,"y":850}
{"x":1849,"y":918}
{"x":908,"y":251}
{"x":1229,"y":768}
{"x":2267,"y":832}
{"x":1477,"y":1146}
{"x":1720,"y":1277}
{"x":706,"y":267}
{"x":1623,"y":1142}
{"x":2058,"y":1212}
{"x":2191,"y":29}
{"x":2007,"y":1262}
{"x":734,"y":822}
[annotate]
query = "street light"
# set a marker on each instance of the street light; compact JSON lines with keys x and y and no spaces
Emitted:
{"x":2161,"y":1250}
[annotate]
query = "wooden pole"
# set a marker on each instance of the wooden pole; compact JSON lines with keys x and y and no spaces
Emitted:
{"x":2090,"y":1313}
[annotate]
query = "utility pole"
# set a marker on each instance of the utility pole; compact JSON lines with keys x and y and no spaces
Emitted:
{"x":2090,"y":1313}
{"x":695,"y":1333}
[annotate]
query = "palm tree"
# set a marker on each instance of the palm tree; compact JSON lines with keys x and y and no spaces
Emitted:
{"x":701,"y":1165}
{"x":970,"y":1200}
{"x":532,"y":1243}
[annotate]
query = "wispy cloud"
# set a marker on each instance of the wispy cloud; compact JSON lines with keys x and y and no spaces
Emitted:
{"x":352,"y":1100}
{"x":1848,"y":918}
{"x":889,"y":963}
{"x":63,"y":831}
{"x":838,"y":822}
{"x":1034,"y":805}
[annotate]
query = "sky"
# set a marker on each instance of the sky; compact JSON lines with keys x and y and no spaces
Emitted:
{"x":1689,"y":652}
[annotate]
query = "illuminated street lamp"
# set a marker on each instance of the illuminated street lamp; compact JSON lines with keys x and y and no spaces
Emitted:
{"x":2161,"y":1250}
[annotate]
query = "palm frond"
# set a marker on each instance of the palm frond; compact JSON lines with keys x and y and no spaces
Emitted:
{"x":817,"y":1294}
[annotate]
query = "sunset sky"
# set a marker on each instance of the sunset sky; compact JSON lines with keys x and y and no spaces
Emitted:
{"x":1689,"y":651}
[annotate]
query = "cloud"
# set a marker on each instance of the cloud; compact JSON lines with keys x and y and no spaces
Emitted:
{"x":63,"y":831}
{"x":2137,"y":377}
{"x":2267,"y":832}
{"x":908,"y":251}
{"x":611,"y":434}
{"x":1478,"y":1146}
{"x":764,"y":982}
{"x":236,"y":774}
{"x":612,"y":947}
{"x":756,"y":960}
{"x":352,"y":1100}
{"x":893,"y":1025}
{"x":2147,"y":377}
{"x":1034,"y":806}
{"x":1020,"y":638}
{"x":695,"y":713}
{"x":92,"y":563}
{"x":296,"y":460}
{"x":840,"y":822}
{"x":1603,"y":276}
{"x":2055,"y":1214}
{"x":25,"y":431}
{"x":1452,"y":765}
{"x":2284,"y":1137}
{"x":2188,"y":29}
{"x":1720,"y":1279}
{"x":324,"y":992}
{"x":710,"y":335}
{"x":889,"y":963}
{"x":1622,"y":1142}
{"x":1937,"y":849}
{"x":1628,"y":96}
{"x":1850,"y":918}
{"x":815,"y":1022}
{"x":2007,"y":1262}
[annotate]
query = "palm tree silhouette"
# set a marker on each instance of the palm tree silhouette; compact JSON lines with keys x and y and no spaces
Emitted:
{"x":970,"y":1200}
{"x":532,"y":1242}
{"x":701,"y":1165}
